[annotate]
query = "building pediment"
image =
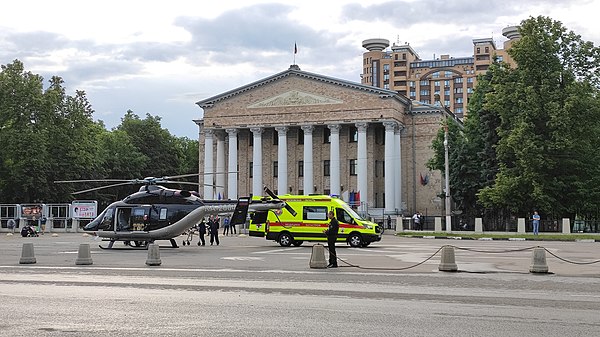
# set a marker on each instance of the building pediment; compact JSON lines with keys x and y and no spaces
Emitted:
{"x":294,"y":98}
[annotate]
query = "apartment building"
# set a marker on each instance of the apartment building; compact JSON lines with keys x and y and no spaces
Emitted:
{"x":447,"y":81}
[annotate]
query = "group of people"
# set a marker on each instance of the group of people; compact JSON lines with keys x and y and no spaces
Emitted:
{"x":212,"y":226}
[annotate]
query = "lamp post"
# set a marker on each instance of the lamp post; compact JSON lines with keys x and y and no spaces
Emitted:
{"x":447,"y":181}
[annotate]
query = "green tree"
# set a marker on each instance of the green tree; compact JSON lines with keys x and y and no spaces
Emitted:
{"x":545,"y":105}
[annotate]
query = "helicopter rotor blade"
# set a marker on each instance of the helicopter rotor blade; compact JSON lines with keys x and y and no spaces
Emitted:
{"x":103,"y":187}
{"x":187,"y":183}
{"x":196,"y":174}
{"x":93,"y":181}
{"x":273,"y":196}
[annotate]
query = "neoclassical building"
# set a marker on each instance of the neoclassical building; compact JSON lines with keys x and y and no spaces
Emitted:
{"x":301,"y":133}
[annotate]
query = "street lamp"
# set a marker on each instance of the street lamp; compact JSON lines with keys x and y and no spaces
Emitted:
{"x":447,"y":180}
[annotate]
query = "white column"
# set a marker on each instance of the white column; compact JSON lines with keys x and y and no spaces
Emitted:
{"x":398,"y":168}
{"x":282,"y":160}
{"x":390,"y":161}
{"x":257,"y":184}
{"x":334,"y":160}
{"x":361,"y":159}
{"x":208,"y":164}
{"x":232,"y":175}
{"x":220,"y":172}
{"x":308,"y":159}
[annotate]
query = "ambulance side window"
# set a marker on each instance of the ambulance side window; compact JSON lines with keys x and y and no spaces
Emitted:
{"x":343,"y":216}
{"x":314,"y":213}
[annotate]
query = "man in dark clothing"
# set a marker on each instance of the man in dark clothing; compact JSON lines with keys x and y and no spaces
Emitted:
{"x":201,"y":232}
{"x":332,"y":233}
{"x":213,"y":224}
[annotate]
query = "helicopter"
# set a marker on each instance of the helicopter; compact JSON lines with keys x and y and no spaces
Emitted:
{"x":156,"y":212}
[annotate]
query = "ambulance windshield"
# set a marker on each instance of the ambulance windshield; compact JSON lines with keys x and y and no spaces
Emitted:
{"x":352,"y":212}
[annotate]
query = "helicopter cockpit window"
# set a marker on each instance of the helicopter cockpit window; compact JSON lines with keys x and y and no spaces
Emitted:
{"x":107,"y":220}
{"x":123,"y":219}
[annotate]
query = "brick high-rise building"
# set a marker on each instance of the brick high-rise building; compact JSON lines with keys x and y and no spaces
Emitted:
{"x":448,"y":81}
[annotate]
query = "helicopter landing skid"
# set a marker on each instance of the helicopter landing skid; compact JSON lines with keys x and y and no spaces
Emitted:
{"x":136,"y":245}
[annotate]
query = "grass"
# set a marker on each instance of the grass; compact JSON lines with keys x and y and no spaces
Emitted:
{"x":502,"y":235}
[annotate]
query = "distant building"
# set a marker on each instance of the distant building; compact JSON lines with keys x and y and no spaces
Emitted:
{"x":448,"y":81}
{"x":302,"y":133}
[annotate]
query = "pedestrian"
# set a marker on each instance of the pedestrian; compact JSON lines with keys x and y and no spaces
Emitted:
{"x":232,"y":228}
{"x":213,"y":224}
{"x":202,"y":232}
{"x":417,"y":220}
{"x":11,"y":225}
{"x":226,"y":226}
{"x":536,"y":222}
{"x":389,"y":222}
{"x":332,"y":233}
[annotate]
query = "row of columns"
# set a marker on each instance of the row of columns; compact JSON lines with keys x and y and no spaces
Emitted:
{"x":393,"y":167}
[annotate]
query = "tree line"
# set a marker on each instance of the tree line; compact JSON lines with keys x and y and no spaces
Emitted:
{"x":47,"y":135}
{"x":532,"y":135}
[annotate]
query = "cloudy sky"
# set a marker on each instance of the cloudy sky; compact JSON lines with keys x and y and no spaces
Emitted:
{"x":160,"y":57}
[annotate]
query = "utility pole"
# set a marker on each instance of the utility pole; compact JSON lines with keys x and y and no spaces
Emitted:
{"x":447,"y":181}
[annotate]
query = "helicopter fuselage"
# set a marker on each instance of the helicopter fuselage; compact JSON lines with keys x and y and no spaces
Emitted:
{"x":159,"y":213}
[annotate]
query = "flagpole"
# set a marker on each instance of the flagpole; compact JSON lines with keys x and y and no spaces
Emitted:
{"x":295,"y":52}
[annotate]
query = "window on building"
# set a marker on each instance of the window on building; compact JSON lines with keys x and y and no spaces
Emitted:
{"x":424,"y":92}
{"x":487,"y":50}
{"x":251,"y":173}
{"x":470,"y":80}
{"x":352,"y":165}
{"x":458,"y":80}
{"x":469,"y":90}
{"x":447,"y":103}
{"x":458,"y":110}
{"x":447,"y":83}
{"x":424,"y":82}
{"x":411,"y":84}
{"x":404,"y":56}
{"x":447,"y":73}
{"x":275,"y":168}
{"x":458,"y":90}
{"x":386,"y":86}
{"x":436,"y":74}
{"x":352,"y":134}
{"x":326,"y":168}
{"x":413,"y":94}
{"x":478,"y":50}
{"x":436,"y":83}
{"x":500,"y":58}
{"x":300,"y":168}
{"x":326,"y":135}
{"x":380,"y":136}
{"x":300,"y":136}
{"x":446,"y":92}
{"x":458,"y":100}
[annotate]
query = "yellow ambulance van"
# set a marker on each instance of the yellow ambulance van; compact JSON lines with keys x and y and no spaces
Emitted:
{"x":310,"y":221}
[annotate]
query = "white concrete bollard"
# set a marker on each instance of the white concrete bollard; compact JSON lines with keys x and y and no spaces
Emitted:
{"x":521,"y":225}
{"x":153,"y":255}
{"x":447,"y":261}
{"x":27,"y":254}
{"x":84,"y":256}
{"x":478,"y":225}
{"x":538,"y":261}
{"x":317,"y":258}
{"x":566,"y":226}
{"x":437,"y":224}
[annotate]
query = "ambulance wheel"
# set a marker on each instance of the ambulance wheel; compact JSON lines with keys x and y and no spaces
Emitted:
{"x":285,"y":239}
{"x":355,"y":240}
{"x":298,"y":243}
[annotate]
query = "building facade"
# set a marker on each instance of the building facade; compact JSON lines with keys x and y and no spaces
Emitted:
{"x":446,"y":80}
{"x":302,"y":133}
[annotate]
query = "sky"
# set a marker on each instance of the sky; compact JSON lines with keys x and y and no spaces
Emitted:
{"x":160,"y":57}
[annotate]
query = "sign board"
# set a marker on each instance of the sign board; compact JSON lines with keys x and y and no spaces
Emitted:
{"x":84,"y":209}
{"x":31,"y":211}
